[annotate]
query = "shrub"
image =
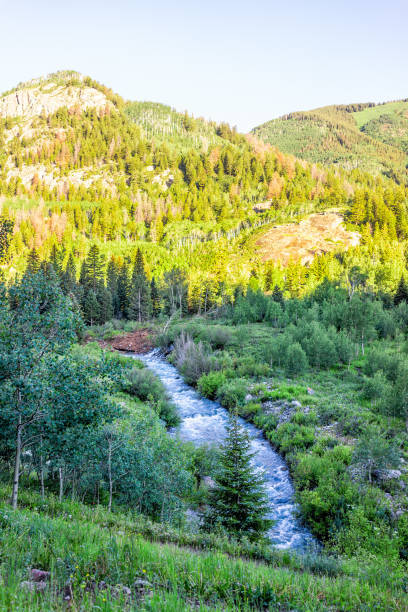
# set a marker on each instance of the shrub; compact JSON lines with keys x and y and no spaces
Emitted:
{"x":233,"y":393}
{"x":305,"y":418}
{"x":218,"y":337}
{"x":208,"y":384}
{"x":191,"y":359}
{"x":142,"y":383}
{"x":249,"y":366}
{"x":250,"y":410}
{"x":376,"y":387}
{"x":290,"y":436}
{"x":374,"y":453}
{"x":168,"y":412}
{"x":296,"y":361}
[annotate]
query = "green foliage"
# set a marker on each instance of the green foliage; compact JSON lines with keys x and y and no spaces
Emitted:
{"x":238,"y":502}
{"x":373,"y":139}
{"x":144,"y":385}
{"x":374,"y":454}
{"x":232,"y":393}
{"x":209,"y":384}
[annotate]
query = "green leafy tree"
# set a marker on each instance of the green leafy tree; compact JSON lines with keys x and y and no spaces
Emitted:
{"x":238,"y":502}
{"x":374,"y":453}
{"x":37,"y":323}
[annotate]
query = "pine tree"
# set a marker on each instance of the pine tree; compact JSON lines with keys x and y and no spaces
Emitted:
{"x":90,"y":307}
{"x":123,"y":290}
{"x":155,"y":299}
{"x":277,"y":295}
{"x":33,"y":262}
{"x":238,"y":502}
{"x":92,"y":269}
{"x":112,"y":282}
{"x":139,"y":295}
{"x":401,"y":294}
{"x":6,"y":228}
{"x":55,"y":261}
{"x":68,"y":280}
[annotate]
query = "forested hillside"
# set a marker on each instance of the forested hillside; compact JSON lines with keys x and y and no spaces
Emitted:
{"x":273,"y":276}
{"x":366,"y":136}
{"x":81,"y":168}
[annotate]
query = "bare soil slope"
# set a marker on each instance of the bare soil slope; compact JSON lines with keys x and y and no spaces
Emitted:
{"x":317,"y":234}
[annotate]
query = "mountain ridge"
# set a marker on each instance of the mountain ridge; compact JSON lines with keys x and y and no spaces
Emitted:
{"x":344,"y":135}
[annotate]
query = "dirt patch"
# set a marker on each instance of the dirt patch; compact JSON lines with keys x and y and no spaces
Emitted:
{"x":139,"y":341}
{"x":317,"y":234}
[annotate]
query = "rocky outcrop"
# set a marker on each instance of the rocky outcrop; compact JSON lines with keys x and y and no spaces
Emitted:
{"x":35,"y":101}
{"x":314,"y":235}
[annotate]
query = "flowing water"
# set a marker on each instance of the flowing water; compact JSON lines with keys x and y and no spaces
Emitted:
{"x":204,"y":421}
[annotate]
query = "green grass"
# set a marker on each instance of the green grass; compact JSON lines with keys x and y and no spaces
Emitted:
{"x":368,"y":114}
{"x":83,"y":547}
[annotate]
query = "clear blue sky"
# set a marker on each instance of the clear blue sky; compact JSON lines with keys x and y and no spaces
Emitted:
{"x":240,"y":61}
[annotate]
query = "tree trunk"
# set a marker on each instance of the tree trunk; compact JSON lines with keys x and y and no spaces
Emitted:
{"x":17,"y":461}
{"x":110,"y":476}
{"x":61,"y":484}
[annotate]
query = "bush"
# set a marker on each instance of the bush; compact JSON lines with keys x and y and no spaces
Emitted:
{"x":232,"y":394}
{"x":142,"y":383}
{"x":192,"y":359}
{"x":290,"y":436}
{"x":145,"y":385}
{"x":208,"y":384}
{"x":218,"y":337}
{"x":305,"y":418}
{"x":376,"y":387}
{"x":296,"y":361}
{"x":249,"y":411}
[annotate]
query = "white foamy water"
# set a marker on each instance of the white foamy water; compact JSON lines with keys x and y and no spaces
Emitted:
{"x":204,"y":421}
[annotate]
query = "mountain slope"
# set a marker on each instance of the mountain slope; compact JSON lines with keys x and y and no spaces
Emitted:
{"x":365,"y":136}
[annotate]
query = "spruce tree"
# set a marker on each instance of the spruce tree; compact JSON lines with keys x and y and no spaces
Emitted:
{"x":6,"y":229}
{"x":277,"y":295}
{"x":139,"y":295}
{"x":92,"y":269}
{"x":123,"y":290}
{"x":33,"y":262}
{"x":155,"y":299}
{"x":112,"y":281}
{"x":401,"y":294}
{"x":238,"y":502}
{"x":68,"y":280}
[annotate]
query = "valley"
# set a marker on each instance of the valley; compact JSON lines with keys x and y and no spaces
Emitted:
{"x":182,"y":305}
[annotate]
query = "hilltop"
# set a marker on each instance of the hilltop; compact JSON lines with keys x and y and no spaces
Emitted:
{"x":371,"y":137}
{"x":79,"y":166}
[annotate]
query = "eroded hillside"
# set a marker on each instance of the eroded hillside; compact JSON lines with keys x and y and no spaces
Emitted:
{"x":315,"y":235}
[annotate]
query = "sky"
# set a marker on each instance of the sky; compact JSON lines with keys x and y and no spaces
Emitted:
{"x":243,"y":62}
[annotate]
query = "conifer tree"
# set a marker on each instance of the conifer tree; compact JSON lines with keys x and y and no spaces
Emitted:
{"x":92,"y":269}
{"x":277,"y":295}
{"x":401,"y":294}
{"x":6,"y":228}
{"x":112,"y":282}
{"x":55,"y":261}
{"x":123,"y":290}
{"x":33,"y":262}
{"x":68,"y":280}
{"x":155,"y":299}
{"x":238,"y":502}
{"x":139,"y":295}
